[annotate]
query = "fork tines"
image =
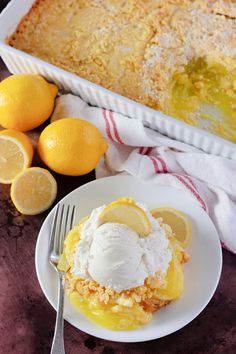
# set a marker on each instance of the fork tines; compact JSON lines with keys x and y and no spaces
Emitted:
{"x":62,"y":223}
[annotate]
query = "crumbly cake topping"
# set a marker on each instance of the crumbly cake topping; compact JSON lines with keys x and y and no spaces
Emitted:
{"x":131,"y":47}
{"x":190,"y":33}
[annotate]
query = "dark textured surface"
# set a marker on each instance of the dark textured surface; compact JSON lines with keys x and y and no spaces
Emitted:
{"x":27,"y":320}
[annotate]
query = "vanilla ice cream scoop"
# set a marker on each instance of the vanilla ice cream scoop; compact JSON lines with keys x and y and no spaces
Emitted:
{"x":116,"y":257}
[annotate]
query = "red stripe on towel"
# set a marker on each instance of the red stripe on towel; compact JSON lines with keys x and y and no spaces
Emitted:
{"x":149,"y":150}
{"x":190,"y":181}
{"x":195,"y":188}
{"x":145,"y":150}
{"x":155,"y":165}
{"x":108,"y":128}
{"x":191,"y":189}
{"x":163,"y":164}
{"x":117,"y":135}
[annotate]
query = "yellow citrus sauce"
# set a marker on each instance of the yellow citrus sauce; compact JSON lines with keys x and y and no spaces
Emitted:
{"x":204,"y":95}
{"x":117,"y":315}
{"x":110,"y":316}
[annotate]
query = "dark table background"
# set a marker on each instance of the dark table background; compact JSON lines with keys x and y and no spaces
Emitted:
{"x":27,"y":320}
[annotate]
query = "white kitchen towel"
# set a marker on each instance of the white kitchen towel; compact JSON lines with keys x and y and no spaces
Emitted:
{"x":148,"y":155}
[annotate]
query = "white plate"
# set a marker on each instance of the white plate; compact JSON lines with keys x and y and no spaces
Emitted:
{"x":202,"y":273}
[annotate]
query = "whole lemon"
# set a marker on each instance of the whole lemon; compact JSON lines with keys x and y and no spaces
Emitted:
{"x":26,"y":101}
{"x":71,"y":146}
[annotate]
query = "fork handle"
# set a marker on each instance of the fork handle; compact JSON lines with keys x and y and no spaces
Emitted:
{"x":58,"y":339}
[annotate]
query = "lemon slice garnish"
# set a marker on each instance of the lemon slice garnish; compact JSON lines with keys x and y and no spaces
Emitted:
{"x":178,"y":222}
{"x":175,"y":281}
{"x":125,"y":211}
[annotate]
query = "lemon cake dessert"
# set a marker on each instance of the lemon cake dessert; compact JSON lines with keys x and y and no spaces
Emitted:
{"x":177,"y":56}
{"x":122,"y":263}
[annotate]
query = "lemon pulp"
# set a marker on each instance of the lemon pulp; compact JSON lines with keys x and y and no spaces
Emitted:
{"x":33,"y":190}
{"x":16,"y":153}
{"x":204,"y":95}
{"x":11,"y":160}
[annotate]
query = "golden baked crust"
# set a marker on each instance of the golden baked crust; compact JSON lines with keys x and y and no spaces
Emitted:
{"x":131,"y":47}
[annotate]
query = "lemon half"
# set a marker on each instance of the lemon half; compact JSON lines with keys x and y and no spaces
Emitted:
{"x":33,"y":191}
{"x":16,"y":153}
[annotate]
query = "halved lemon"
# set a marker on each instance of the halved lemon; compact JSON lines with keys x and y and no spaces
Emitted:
{"x":178,"y":222}
{"x":125,"y":211}
{"x":33,"y":191}
{"x":16,"y":153}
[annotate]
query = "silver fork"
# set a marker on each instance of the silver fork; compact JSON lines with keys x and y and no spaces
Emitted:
{"x":62,"y":223}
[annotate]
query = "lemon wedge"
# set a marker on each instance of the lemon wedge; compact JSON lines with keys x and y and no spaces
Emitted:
{"x":16,"y":153}
{"x":33,"y":191}
{"x":178,"y":222}
{"x":175,"y":281}
{"x":125,"y":211}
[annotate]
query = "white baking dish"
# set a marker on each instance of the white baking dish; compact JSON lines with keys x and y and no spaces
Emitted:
{"x":18,"y":62}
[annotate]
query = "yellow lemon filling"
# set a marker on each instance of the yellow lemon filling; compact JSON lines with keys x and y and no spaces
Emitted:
{"x":111,"y":315}
{"x":128,"y":309}
{"x":204,"y":95}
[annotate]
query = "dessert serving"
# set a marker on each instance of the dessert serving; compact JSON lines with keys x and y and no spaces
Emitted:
{"x":123,"y":263}
{"x":175,"y":56}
